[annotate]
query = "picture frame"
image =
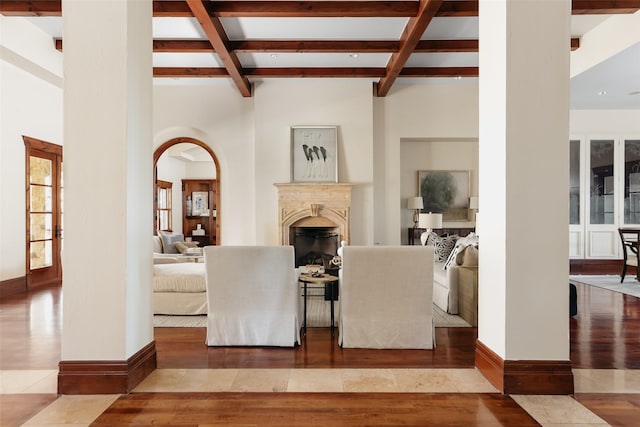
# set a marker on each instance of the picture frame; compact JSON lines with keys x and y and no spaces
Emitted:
{"x":314,"y":154}
{"x":199,"y":202}
{"x":445,"y":192}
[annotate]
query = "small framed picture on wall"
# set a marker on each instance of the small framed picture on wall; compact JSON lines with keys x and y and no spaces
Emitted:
{"x":200,"y":202}
{"x":314,"y":154}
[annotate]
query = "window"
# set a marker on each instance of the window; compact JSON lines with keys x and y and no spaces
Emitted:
{"x":164,"y":203}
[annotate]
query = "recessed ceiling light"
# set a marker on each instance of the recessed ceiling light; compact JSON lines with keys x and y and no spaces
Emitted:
{"x":458,"y":77}
{"x":602,"y":92}
{"x":353,"y":55}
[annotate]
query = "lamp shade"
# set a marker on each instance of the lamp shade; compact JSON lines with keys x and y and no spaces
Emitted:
{"x":430,"y":220}
{"x":473,"y":202}
{"x":415,"y":203}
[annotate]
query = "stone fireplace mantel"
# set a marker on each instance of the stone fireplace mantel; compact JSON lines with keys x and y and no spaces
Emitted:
{"x":313,"y":205}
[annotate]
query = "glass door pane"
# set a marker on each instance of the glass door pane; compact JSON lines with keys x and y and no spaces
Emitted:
{"x":574,"y":182}
{"x":601,"y":182}
{"x":41,"y":212}
{"x":632,"y":181}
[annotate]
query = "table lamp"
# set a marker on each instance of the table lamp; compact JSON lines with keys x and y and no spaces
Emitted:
{"x":429,"y":221}
{"x":416,"y":204}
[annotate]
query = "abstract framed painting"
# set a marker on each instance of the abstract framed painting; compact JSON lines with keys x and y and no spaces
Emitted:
{"x":314,"y":154}
{"x":445,"y":192}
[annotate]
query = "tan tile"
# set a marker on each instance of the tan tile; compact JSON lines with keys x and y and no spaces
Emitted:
{"x":161,"y":380}
{"x":549,"y":410}
{"x":315,"y":380}
{"x":19,"y":381}
{"x":606,"y":381}
{"x":261,"y":380}
{"x":73,"y":410}
{"x":470,"y":381}
{"x":424,"y":380}
{"x":48,"y":384}
{"x":369,"y":380}
{"x":206,"y":380}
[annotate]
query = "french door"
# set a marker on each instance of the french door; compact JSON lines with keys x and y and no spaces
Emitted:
{"x":43,"y":172}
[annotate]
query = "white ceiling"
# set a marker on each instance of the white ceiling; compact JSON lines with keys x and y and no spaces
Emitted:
{"x":619,"y":76}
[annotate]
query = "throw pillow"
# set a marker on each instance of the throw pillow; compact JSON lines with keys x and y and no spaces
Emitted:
{"x":468,"y":257}
{"x":169,"y":240}
{"x":443,"y":246}
{"x":183,"y":247}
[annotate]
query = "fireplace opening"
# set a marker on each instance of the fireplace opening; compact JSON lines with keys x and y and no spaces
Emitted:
{"x":314,"y":245}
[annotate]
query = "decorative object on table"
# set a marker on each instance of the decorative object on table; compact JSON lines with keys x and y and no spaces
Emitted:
{"x":473,"y":207}
{"x":314,"y":154}
{"x":445,"y":192}
{"x":200,"y":202}
{"x":189,"y":206}
{"x":416,"y":204}
{"x":199,"y":231}
{"x":312,"y":269}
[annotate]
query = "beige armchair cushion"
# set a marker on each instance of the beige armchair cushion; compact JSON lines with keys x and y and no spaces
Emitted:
{"x":253,"y":296}
{"x":386,"y":297}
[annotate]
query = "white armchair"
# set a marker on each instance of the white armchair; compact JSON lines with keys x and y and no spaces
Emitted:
{"x":386,"y":297}
{"x":253,"y":297}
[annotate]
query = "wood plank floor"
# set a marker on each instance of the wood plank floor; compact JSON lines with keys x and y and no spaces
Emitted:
{"x":604,"y":335}
{"x":315,"y":409}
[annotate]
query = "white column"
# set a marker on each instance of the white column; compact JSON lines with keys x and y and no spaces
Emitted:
{"x":523,"y":178}
{"x":108,"y":179}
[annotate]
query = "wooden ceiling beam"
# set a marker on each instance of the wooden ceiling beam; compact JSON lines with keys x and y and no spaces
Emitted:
{"x":604,"y":7}
{"x":31,"y":8}
{"x":440,"y":72}
{"x":281,"y":9}
{"x":317,"y":46}
{"x":214,"y":30}
{"x":311,"y":72}
{"x":181,"y":72}
{"x":408,"y":41}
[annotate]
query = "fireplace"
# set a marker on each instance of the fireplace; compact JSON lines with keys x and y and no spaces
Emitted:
{"x":314,"y":245}
{"x":314,"y":218}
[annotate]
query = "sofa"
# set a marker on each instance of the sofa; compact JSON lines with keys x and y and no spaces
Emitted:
{"x":451,"y":253}
{"x":178,"y":282}
{"x":171,"y":248}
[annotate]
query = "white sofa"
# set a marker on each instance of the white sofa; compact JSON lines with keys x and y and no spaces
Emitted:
{"x":445,"y":280}
{"x":162,"y":256}
{"x":178,"y":283}
{"x":386,"y":297}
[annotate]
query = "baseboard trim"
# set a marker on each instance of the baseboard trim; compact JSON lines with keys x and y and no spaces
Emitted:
{"x":13,"y":286}
{"x":524,"y":376}
{"x":596,"y":266}
{"x":107,"y":377}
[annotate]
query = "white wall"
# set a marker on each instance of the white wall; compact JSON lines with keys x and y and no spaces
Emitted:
{"x":604,"y":122}
{"x":281,"y":104}
{"x":221,"y":118}
{"x":30,"y":105}
{"x":438,"y":111}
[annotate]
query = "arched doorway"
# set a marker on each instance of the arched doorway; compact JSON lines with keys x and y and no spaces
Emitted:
{"x":215,"y":191}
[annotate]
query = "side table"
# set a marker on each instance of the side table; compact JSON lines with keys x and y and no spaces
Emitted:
{"x":318,"y":279}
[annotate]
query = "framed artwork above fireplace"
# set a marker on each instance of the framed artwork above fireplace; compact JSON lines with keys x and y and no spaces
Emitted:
{"x":314,"y":154}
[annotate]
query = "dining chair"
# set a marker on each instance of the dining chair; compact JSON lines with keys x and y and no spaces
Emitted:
{"x":630,"y":239}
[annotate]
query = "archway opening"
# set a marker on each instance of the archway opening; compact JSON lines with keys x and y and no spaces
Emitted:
{"x":186,"y":176}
